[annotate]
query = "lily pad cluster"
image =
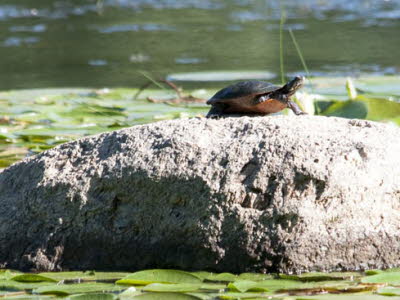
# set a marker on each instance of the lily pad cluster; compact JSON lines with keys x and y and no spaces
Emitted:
{"x":175,"y":284}
{"x":35,"y":120}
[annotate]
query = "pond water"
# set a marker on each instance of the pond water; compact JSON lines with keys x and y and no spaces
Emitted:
{"x":96,"y":43}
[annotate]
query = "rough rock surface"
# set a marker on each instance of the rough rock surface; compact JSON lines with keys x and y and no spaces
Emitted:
{"x":236,"y":194}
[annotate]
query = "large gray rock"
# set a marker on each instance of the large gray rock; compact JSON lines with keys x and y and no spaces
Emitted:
{"x":235,"y":194}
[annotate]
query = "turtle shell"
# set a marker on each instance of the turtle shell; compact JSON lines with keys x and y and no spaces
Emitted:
{"x":243,"y":89}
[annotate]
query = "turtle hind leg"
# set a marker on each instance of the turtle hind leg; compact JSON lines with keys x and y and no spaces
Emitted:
{"x":216,"y":111}
{"x":295,"y":108}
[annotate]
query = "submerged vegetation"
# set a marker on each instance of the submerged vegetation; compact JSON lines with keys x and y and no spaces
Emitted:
{"x":35,"y":120}
{"x":174,"y":284}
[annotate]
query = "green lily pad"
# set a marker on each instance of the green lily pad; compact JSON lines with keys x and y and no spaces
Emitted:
{"x":392,"y":278}
{"x":68,"y":289}
{"x":248,"y":295}
{"x":247,"y":285}
{"x":201,"y":274}
{"x":213,"y":286}
{"x":346,"y":297}
{"x":389,"y":291}
{"x":85,"y":276}
{"x":373,"y":272}
{"x":8,"y":274}
{"x":280,"y":284}
{"x":319,"y":276}
{"x":347,"y":109}
{"x":222,"y":277}
{"x":19,"y":286}
{"x":255,"y":276}
{"x":377,"y":271}
{"x":166,"y":296}
{"x":32,"y":278}
{"x":129,"y":293}
{"x":94,"y":296}
{"x":27,"y":297}
{"x":159,"y":276}
{"x":174,"y":287}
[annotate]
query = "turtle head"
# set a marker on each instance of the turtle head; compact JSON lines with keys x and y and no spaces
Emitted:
{"x":292,"y":86}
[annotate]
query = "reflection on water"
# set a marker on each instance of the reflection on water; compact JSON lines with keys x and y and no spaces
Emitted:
{"x":109,"y":42}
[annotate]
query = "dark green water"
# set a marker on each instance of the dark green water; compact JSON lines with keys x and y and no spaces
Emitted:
{"x":60,"y":43}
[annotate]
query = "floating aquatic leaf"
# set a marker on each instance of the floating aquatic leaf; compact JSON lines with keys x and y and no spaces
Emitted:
{"x":392,"y":278}
{"x":12,"y":285}
{"x":345,"y":297}
{"x":213,"y":286}
{"x":92,"y":296}
{"x":255,"y":276}
{"x":280,"y":284}
{"x":174,"y":287}
{"x":320,"y":276}
{"x":129,"y":293}
{"x":389,"y":291}
{"x":224,"y":277}
{"x":204,"y":296}
{"x":68,"y":289}
{"x":27,"y":297}
{"x":32,"y":278}
{"x":84,"y":276}
{"x":247,"y":285}
{"x":165,"y":296}
{"x":201,"y":274}
{"x":347,"y":109}
{"x":159,"y":276}
{"x":248,"y":295}
{"x":8,"y":274}
{"x":373,"y":272}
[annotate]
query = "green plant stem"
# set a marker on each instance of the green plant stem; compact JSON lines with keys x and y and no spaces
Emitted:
{"x":152,"y":79}
{"x":282,"y":22}
{"x":303,"y":62}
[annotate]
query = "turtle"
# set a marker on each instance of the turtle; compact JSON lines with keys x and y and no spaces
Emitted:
{"x":255,"y":97}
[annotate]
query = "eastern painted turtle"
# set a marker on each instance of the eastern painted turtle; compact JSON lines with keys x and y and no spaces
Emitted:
{"x":255,"y":97}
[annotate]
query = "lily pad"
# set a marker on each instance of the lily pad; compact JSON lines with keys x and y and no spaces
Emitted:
{"x":27,"y":297}
{"x":255,"y":276}
{"x":201,"y":274}
{"x":174,"y":287}
{"x":389,"y":291}
{"x":213,"y":286}
{"x":159,"y":276}
{"x":68,"y":289}
{"x":85,"y":276}
{"x":392,"y":278}
{"x":166,"y":296}
{"x":19,"y":286}
{"x":247,"y":285}
{"x":319,"y":276}
{"x":94,"y":296}
{"x":222,"y":277}
{"x":346,"y":297}
{"x":8,"y":274}
{"x":32,"y":278}
{"x":248,"y":295}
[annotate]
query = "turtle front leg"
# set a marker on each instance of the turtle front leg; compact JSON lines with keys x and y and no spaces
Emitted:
{"x":216,"y":111}
{"x":295,"y":108}
{"x":261,"y":99}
